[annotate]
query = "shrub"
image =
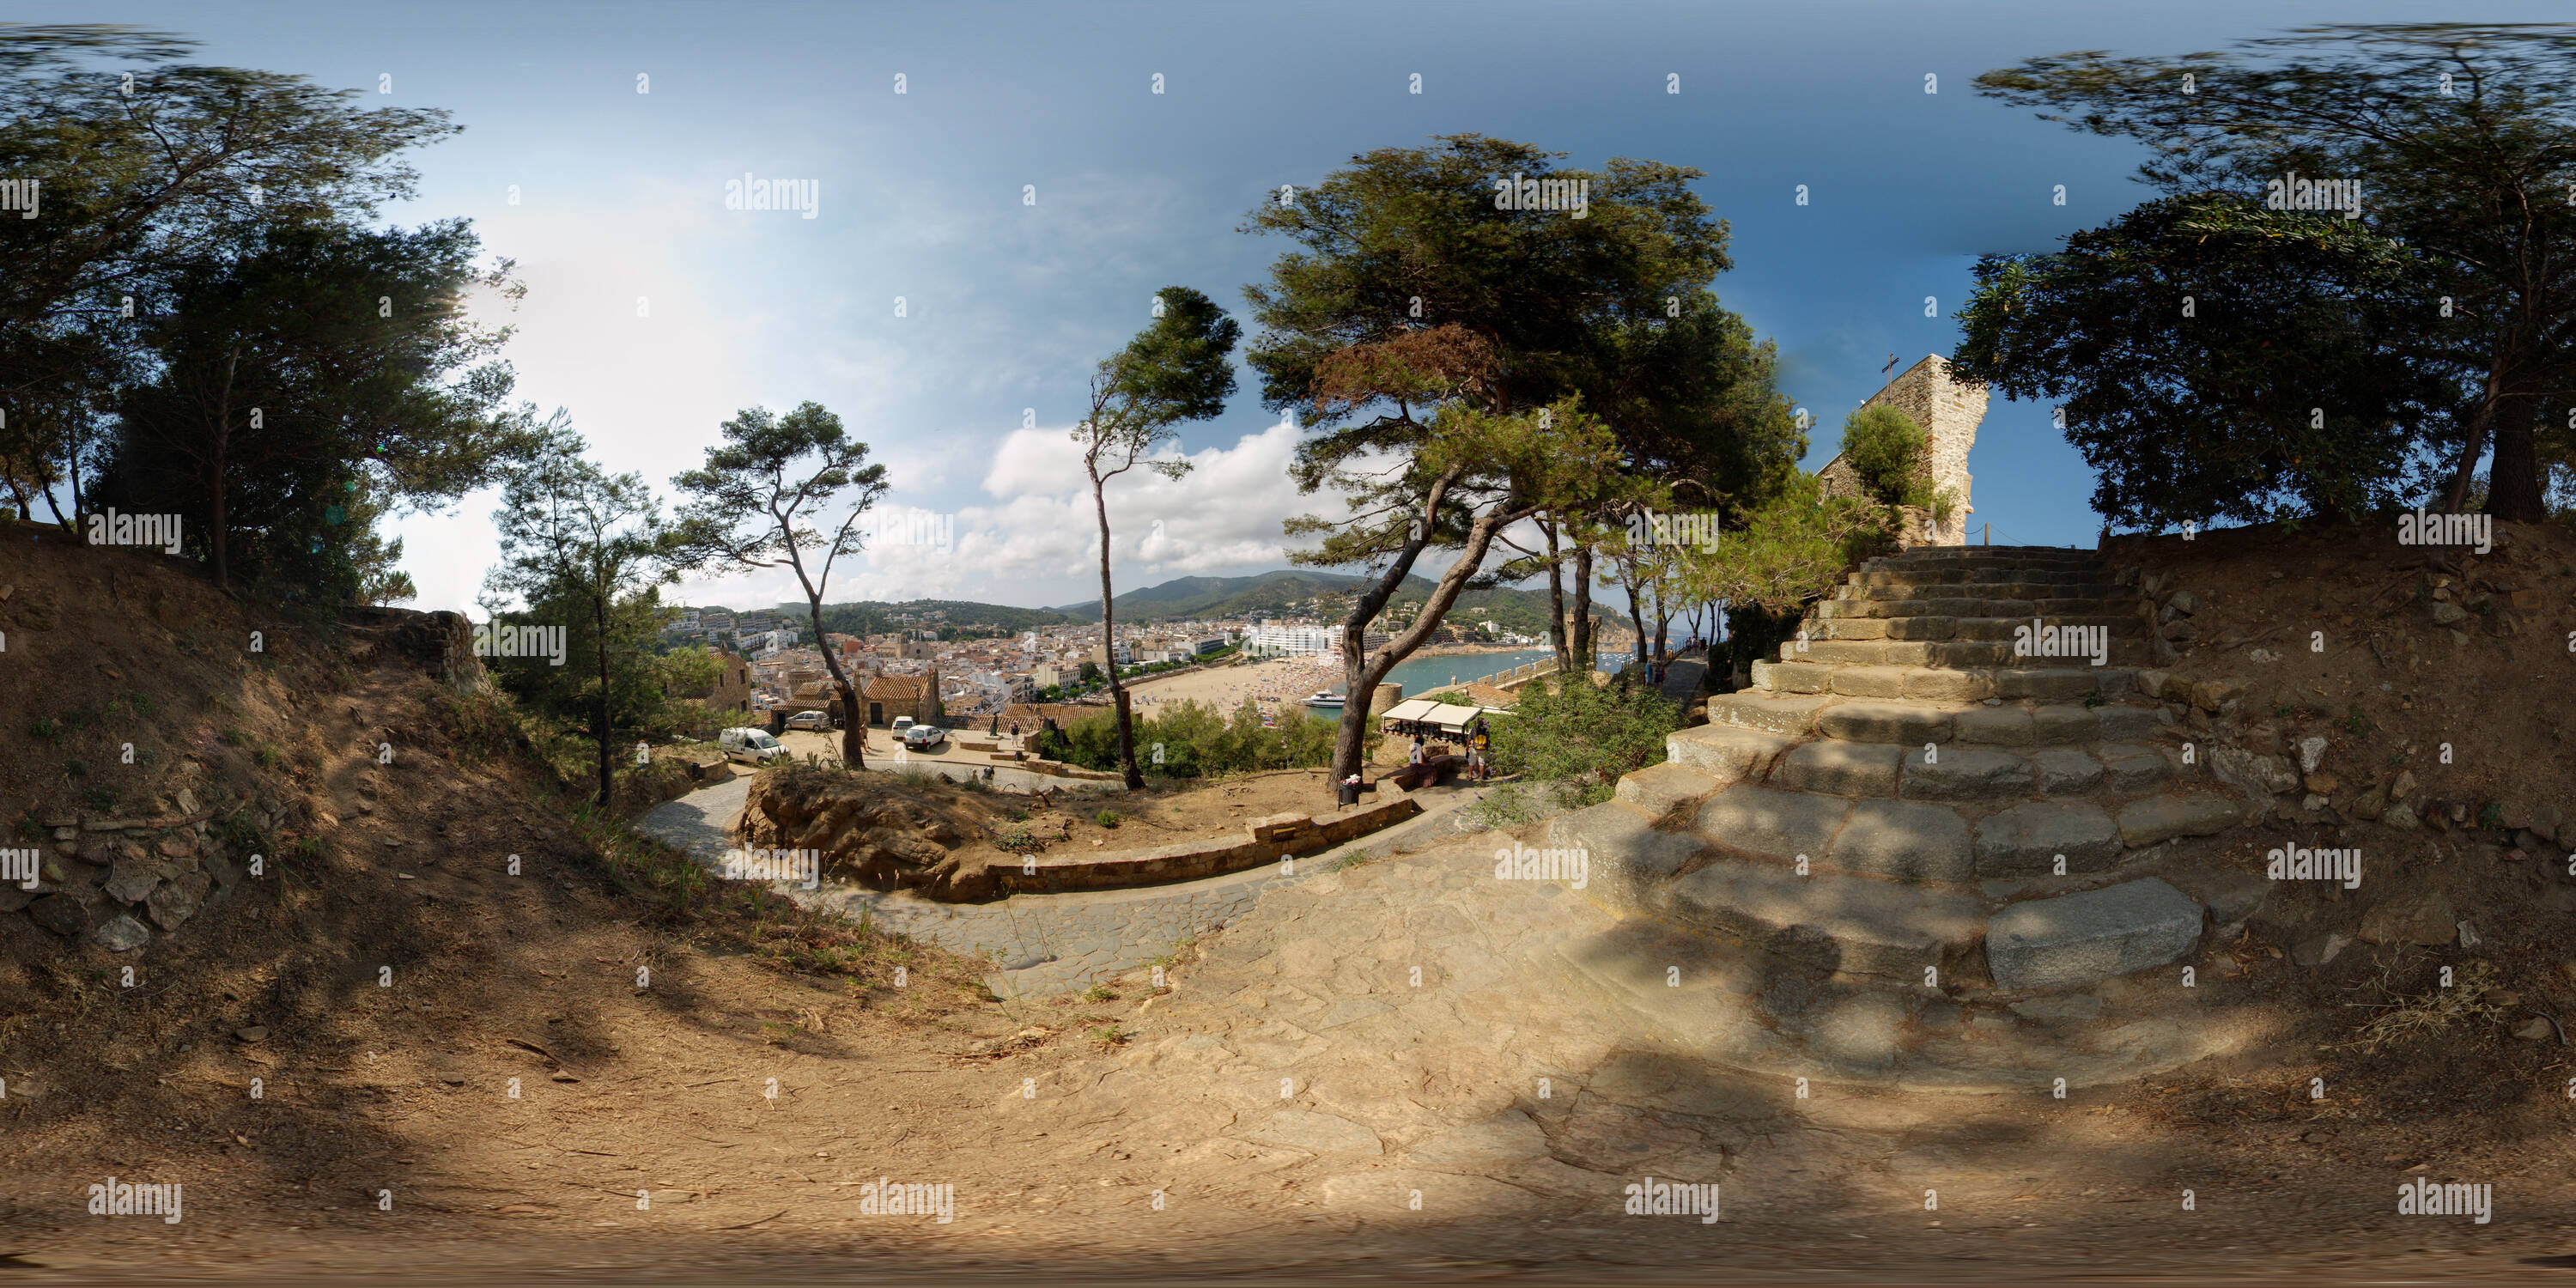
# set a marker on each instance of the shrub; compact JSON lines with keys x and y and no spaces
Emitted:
{"x":1578,"y":739}
{"x":1891,"y":454}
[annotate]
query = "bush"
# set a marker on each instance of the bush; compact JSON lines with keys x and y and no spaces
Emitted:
{"x":1192,"y":740}
{"x":1891,"y":454}
{"x":1579,"y":739}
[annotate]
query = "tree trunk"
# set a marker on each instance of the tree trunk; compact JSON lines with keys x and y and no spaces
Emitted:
{"x":216,"y":548}
{"x":854,"y":721}
{"x":1109,"y":650}
{"x":1556,"y":603}
{"x":1360,"y":686}
{"x":2479,"y":421}
{"x":1582,"y":624}
{"x":1637,"y":618}
{"x":1364,"y":673}
{"x":2514,"y":482}
{"x":599,"y":619}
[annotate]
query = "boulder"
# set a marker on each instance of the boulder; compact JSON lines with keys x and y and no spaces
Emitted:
{"x":121,"y":934}
{"x":2077,"y":940}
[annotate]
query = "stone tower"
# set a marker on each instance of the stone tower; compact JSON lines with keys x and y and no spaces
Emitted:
{"x":1949,"y":413}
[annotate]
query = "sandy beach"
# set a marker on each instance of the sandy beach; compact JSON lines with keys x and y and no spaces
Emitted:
{"x":1275,"y":684}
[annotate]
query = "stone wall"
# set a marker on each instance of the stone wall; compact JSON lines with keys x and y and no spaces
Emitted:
{"x":1949,"y":413}
{"x":442,"y":642}
{"x":111,"y":882}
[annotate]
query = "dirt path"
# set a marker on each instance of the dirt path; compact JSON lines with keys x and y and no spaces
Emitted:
{"x":1287,"y":1099}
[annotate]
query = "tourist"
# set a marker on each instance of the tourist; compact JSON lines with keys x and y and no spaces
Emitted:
{"x":1480,"y":741}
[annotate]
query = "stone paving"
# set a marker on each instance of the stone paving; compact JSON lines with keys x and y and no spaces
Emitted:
{"x":1051,"y":943}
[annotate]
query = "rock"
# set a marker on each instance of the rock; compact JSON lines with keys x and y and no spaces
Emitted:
{"x":2263,"y":656}
{"x":170,"y":905}
{"x":2426,"y":920}
{"x":251,"y":1033}
{"x":174,"y":847}
{"x":2026,"y":839}
{"x":2533,"y":1029}
{"x":2152,"y":683}
{"x":2159,"y":818}
{"x":14,"y":897}
{"x":2185,"y":602}
{"x":61,"y":914}
{"x":2079,"y":939}
{"x":2178,"y":632}
{"x":1972,"y":773}
{"x":2368,"y":807}
{"x":1724,"y":752}
{"x":187,"y":800}
{"x":2320,"y":949}
{"x":2399,"y":816}
{"x":2315,"y":802}
{"x":2513,"y":818}
{"x":2459,"y":638}
{"x":120,"y":934}
{"x":2530,"y":843}
{"x":2256,"y":775}
{"x":2404,"y":788}
{"x":2312,"y":751}
{"x":130,"y":879}
{"x":2210,"y":695}
{"x":2444,"y":613}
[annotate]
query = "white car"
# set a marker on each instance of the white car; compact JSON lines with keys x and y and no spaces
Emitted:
{"x":922,"y":736}
{"x":754,"y":745}
{"x":810,"y":720}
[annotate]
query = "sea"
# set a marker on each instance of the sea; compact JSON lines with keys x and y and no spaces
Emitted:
{"x":1417,"y":674}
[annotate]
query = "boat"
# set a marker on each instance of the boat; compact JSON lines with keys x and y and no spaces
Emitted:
{"x":1325,"y":701}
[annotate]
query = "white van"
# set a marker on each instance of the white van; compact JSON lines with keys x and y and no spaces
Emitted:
{"x":754,"y":745}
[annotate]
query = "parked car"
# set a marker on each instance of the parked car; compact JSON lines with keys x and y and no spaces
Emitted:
{"x":922,"y":735}
{"x":902,"y":723}
{"x":754,"y":745}
{"x":810,"y":720}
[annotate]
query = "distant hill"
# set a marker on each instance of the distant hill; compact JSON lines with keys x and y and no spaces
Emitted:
{"x":1297,"y":591}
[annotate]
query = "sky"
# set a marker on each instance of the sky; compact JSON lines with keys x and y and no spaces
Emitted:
{"x":1028,"y":191}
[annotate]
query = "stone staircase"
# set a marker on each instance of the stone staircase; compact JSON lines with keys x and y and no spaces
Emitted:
{"x":1918,"y":853}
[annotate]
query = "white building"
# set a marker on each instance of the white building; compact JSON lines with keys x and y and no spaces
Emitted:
{"x":1304,"y":641}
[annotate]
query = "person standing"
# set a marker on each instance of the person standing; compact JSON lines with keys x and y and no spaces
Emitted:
{"x":1480,"y":742}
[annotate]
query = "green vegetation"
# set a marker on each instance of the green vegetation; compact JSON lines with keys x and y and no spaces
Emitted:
{"x":1575,"y":742}
{"x":1191,"y":740}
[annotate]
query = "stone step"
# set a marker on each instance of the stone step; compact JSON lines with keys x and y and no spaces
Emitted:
{"x":2079,"y":939}
{"x":1913,"y":722}
{"x":1830,"y":923}
{"x":1983,"y":575}
{"x":1969,"y":629}
{"x":1914,"y":586}
{"x":1859,"y":606}
{"x":1955,"y":654}
{"x":1781,"y":1021}
{"x":1982,"y":554}
{"x":1834,"y":807}
{"x":1945,"y":684}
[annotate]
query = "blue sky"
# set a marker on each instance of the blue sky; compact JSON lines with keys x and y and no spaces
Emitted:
{"x":1008,"y":305}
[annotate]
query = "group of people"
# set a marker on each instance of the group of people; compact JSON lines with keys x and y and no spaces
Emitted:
{"x":1480,"y":745}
